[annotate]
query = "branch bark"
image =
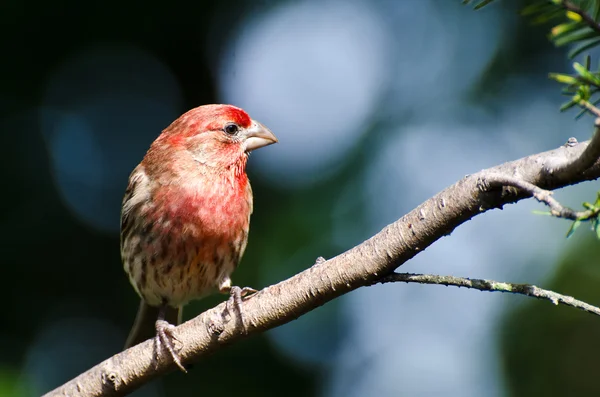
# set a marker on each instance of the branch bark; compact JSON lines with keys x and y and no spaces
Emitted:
{"x":360,"y":266}
{"x":582,"y":162}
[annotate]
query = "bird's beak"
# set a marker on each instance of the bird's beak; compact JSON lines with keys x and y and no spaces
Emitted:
{"x":258,"y":136}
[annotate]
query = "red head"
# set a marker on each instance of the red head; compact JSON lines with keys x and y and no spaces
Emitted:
{"x":217,"y":136}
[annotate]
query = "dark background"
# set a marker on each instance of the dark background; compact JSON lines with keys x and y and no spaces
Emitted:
{"x":86,"y":87}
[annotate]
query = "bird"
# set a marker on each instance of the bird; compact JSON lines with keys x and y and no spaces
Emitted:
{"x":185,"y":217}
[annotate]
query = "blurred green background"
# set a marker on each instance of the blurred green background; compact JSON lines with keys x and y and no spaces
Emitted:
{"x":377,"y":106}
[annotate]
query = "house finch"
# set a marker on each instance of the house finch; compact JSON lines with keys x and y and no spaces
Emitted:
{"x":186,"y":215}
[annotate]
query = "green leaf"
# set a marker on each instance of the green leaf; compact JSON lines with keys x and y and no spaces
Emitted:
{"x":581,"y":113}
{"x":596,"y":227}
{"x":573,"y":227}
{"x":581,"y":34}
{"x":575,"y":101}
{"x":573,"y":16}
{"x":479,"y":5}
{"x":568,"y":105}
{"x":583,"y":94}
{"x":482,"y":4}
{"x":587,"y":60}
{"x":548,"y":16}
{"x":568,"y":91}
{"x":563,"y":78}
{"x":597,"y":203}
{"x":562,"y":29}
{"x":586,"y":74}
{"x":537,"y":8}
{"x":586,"y":45}
{"x":579,"y":68}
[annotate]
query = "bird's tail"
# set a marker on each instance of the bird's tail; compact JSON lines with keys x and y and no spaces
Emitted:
{"x":144,"y":326}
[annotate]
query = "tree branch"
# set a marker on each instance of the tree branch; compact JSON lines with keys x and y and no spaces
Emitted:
{"x":492,"y":286}
{"x":541,"y":195}
{"x":326,"y":280}
{"x":591,"y":22}
{"x":581,"y":163}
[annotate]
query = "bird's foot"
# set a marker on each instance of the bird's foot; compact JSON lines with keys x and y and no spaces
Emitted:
{"x":237,"y":294}
{"x":164,"y":339}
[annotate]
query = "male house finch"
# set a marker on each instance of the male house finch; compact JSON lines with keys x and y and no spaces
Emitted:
{"x":186,"y":215}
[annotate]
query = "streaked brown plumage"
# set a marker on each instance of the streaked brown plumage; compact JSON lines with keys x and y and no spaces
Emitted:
{"x":186,"y":215}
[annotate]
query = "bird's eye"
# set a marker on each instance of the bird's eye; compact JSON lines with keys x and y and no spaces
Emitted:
{"x":231,"y":128}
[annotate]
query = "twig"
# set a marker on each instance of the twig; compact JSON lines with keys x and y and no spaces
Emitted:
{"x":567,"y":5}
{"x":326,"y":280}
{"x":541,"y":195}
{"x":591,"y":108}
{"x":492,"y":286}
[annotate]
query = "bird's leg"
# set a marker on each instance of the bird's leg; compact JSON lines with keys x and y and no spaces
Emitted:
{"x":236,"y":296}
{"x":165,"y":337}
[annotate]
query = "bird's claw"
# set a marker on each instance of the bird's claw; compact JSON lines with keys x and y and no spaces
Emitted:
{"x":237,"y":295}
{"x":245,"y":292}
{"x":165,"y":337}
